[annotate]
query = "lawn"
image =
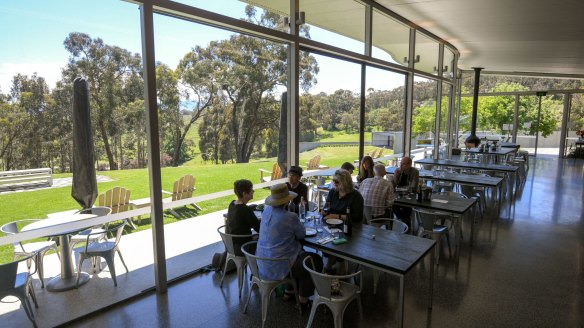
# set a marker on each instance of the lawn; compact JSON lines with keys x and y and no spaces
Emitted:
{"x":209,"y":178}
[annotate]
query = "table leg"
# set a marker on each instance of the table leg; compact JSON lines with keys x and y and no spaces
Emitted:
{"x":431,"y":291}
{"x":400,"y":310}
{"x":68,"y":278}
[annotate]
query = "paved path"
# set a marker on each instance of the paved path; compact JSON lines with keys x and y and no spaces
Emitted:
{"x":57,"y":183}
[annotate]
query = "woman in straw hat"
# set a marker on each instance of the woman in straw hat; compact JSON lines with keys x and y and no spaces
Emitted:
{"x":280,"y":238}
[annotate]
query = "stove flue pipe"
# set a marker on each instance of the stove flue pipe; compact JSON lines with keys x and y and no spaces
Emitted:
{"x":472,"y":138}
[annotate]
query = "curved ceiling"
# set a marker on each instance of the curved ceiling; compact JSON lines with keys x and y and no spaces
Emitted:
{"x":506,"y":36}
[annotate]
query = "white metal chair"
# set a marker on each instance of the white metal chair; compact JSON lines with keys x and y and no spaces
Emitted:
{"x":429,"y":229}
{"x":389,"y":224}
{"x":265,"y":286}
{"x":106,"y":249}
{"x":39,"y":248}
{"x":97,"y":232}
{"x":19,"y":285}
{"x":230,"y":241}
{"x":312,"y":206}
{"x":324,"y":293}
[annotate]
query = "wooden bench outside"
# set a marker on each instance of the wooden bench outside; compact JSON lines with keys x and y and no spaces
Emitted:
{"x":24,"y":178}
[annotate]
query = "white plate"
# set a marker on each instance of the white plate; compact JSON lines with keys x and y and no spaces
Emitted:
{"x":311,"y":232}
{"x":334,"y":221}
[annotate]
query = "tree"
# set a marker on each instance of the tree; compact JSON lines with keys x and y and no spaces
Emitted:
{"x":250,"y":72}
{"x":112,"y":74}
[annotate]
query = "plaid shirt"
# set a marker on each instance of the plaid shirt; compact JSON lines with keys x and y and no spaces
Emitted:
{"x":377,"y":193}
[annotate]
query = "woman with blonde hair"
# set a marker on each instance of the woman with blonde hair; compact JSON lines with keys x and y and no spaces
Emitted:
{"x":342,"y":196}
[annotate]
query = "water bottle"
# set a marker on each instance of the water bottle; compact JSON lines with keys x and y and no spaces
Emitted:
{"x":301,"y":210}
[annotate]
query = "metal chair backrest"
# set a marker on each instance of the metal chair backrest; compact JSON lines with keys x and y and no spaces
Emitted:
{"x":117,"y":198}
{"x":322,"y":281}
{"x":8,"y":272}
{"x":98,"y":211}
{"x":13,"y":227}
{"x":428,"y":217}
{"x":390,"y":224}
{"x":253,"y":261}
{"x":312,"y":206}
{"x":452,"y":194}
{"x":228,"y":239}
{"x":117,"y":230}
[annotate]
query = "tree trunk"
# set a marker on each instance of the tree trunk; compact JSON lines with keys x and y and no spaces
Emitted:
{"x":110,"y":156}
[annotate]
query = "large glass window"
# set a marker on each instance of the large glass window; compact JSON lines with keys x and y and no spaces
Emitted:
{"x":384,"y":112}
{"x":575,"y":128}
{"x":444,"y":138}
{"x":424,"y":115}
{"x":220,"y":102}
{"x":340,"y":23}
{"x":391,"y":39}
{"x":426,"y":54}
{"x":329,"y":113}
{"x":448,"y":66}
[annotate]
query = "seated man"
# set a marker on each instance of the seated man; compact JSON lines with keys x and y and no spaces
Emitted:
{"x":377,"y":194}
{"x":406,"y":176}
{"x":297,"y":187}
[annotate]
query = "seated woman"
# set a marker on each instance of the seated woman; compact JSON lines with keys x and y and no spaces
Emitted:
{"x":280,"y":238}
{"x":240,"y":217}
{"x":342,"y":196}
{"x":366,"y":169}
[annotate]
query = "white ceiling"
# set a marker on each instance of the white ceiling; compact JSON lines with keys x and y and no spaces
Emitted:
{"x":505,"y":35}
{"x":539,"y":36}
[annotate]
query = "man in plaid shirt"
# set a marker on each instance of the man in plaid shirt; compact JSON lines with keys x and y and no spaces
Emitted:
{"x":377,"y":194}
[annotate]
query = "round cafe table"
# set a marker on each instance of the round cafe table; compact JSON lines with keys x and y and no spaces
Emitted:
{"x":68,"y":278}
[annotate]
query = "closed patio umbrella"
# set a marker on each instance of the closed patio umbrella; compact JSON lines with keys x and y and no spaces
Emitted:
{"x":84,"y":189}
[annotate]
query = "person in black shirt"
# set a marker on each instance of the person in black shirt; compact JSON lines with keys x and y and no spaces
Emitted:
{"x":294,"y":185}
{"x":240,"y":217}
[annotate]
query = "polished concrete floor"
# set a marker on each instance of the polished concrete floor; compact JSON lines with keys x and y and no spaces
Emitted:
{"x":526,"y":269}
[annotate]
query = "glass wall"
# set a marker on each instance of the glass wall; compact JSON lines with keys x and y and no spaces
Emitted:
{"x":444,"y":138}
{"x":390,"y":39}
{"x":343,"y":27}
{"x":426,"y":54}
{"x":384,"y":112}
{"x":575,"y":128}
{"x":448,"y":65}
{"x":220,"y":103}
{"x":329,"y":113}
{"x":424,"y":115}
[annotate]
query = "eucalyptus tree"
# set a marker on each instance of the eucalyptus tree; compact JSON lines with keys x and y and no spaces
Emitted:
{"x":113,"y":74}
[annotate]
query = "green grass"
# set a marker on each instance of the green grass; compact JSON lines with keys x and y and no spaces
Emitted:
{"x":341,"y":136}
{"x":209,"y":178}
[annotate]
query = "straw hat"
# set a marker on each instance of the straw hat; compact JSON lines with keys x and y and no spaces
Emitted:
{"x":280,"y":195}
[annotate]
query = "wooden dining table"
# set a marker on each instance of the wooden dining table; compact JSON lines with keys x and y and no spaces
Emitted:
{"x":68,"y":278}
{"x":383,"y":250}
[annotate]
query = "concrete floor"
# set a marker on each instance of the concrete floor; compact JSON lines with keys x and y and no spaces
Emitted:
{"x":526,"y":270}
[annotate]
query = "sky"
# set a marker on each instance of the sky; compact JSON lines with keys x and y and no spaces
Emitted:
{"x":33,"y":32}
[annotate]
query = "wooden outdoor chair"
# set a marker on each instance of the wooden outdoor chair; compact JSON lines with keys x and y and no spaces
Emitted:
{"x":374,"y":153}
{"x":183,"y":188}
{"x":314,"y":164}
{"x":118,"y":199}
{"x":274,"y":175}
{"x":380,"y":153}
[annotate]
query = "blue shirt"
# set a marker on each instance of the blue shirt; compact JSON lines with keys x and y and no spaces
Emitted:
{"x":281,"y":232}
